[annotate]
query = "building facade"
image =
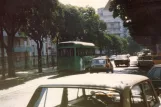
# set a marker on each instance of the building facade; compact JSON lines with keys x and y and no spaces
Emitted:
{"x":114,"y":25}
{"x":25,"y":51}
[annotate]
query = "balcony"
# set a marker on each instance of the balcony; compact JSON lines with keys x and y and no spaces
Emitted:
{"x":23,"y":49}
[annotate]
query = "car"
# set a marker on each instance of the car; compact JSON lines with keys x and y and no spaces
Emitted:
{"x":96,"y":90}
{"x":101,"y":64}
{"x":128,"y":55}
{"x":112,"y":57}
{"x":145,"y":61}
{"x":155,"y":75}
{"x":122,"y":59}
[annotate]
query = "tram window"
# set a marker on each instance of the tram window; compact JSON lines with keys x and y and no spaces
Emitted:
{"x":84,"y":51}
{"x":66,"y":52}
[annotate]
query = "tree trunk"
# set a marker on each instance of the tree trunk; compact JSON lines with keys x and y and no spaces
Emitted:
{"x":39,"y":49}
{"x":26,"y":60}
{"x":100,"y":51}
{"x":11,"y":69}
{"x":2,"y":52}
{"x":47,"y":58}
{"x":11,"y":72}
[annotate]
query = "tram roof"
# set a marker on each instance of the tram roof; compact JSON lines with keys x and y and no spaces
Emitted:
{"x":78,"y":43}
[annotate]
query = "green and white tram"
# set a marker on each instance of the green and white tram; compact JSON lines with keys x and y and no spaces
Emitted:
{"x":75,"y":56}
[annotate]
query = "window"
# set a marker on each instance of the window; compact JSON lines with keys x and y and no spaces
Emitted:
{"x":75,"y":97}
{"x":66,"y":52}
{"x":149,"y":94}
{"x":49,"y":97}
{"x":84,"y":52}
{"x":156,"y":73}
{"x":99,"y":61}
{"x":137,"y":97}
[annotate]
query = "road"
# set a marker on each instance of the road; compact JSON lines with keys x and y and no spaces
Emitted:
{"x":20,"y":95}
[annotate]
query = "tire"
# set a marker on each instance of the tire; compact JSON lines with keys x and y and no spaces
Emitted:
{"x":111,"y":70}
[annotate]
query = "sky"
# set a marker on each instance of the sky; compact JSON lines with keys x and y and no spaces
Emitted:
{"x":83,"y":3}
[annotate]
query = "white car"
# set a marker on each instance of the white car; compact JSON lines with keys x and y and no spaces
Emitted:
{"x":112,"y":57}
{"x":96,"y":90}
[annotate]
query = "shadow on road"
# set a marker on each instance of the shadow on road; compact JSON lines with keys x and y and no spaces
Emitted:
{"x":5,"y":84}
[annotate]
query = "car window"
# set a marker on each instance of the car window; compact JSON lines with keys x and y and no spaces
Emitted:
{"x":76,"y":97}
{"x":157,"y":73}
{"x":99,"y":61}
{"x":122,"y":56}
{"x":149,"y":94}
{"x":137,"y":99}
{"x":49,"y":97}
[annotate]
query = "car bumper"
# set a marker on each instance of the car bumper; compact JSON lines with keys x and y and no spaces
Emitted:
{"x":99,"y":69}
{"x":121,"y":62}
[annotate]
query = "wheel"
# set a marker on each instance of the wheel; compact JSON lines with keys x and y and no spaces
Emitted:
{"x":128,"y":65}
{"x":111,"y":70}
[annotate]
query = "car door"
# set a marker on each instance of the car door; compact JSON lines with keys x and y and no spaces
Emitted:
{"x":150,"y":95}
{"x":155,"y":75}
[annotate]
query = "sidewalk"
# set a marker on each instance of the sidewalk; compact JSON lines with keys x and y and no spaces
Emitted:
{"x":23,"y":76}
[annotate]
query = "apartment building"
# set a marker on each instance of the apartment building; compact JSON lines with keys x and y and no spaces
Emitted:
{"x":114,"y":25}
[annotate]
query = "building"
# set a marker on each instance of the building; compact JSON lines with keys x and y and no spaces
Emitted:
{"x":25,"y":51}
{"x":114,"y":25}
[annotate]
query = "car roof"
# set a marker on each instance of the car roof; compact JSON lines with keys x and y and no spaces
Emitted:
{"x":101,"y":57}
{"x":115,"y":81}
{"x":79,"y":42}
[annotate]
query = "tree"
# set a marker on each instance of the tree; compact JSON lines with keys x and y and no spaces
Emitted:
{"x":2,"y":12}
{"x":144,"y":31}
{"x":124,"y":45}
{"x":39,"y":24}
{"x":14,"y":16}
{"x":133,"y":46}
{"x":108,"y":43}
{"x":72,"y":28}
{"x":117,"y":44}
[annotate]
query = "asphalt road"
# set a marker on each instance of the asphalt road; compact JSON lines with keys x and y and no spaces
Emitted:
{"x":20,"y":95}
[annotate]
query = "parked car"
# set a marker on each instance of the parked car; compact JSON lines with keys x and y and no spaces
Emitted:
{"x":155,"y":75}
{"x":96,"y":90}
{"x":112,"y":57}
{"x":145,"y":61}
{"x":128,"y":55}
{"x":122,"y":59}
{"x":101,"y":64}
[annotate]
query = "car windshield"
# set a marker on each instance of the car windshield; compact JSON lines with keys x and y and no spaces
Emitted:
{"x":98,"y":61}
{"x":75,"y":97}
{"x":121,"y":57}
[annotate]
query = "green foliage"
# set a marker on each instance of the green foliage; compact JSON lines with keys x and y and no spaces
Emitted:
{"x":82,"y":24}
{"x":124,"y":45}
{"x":117,"y":44}
{"x":133,"y":46}
{"x":40,"y":22}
